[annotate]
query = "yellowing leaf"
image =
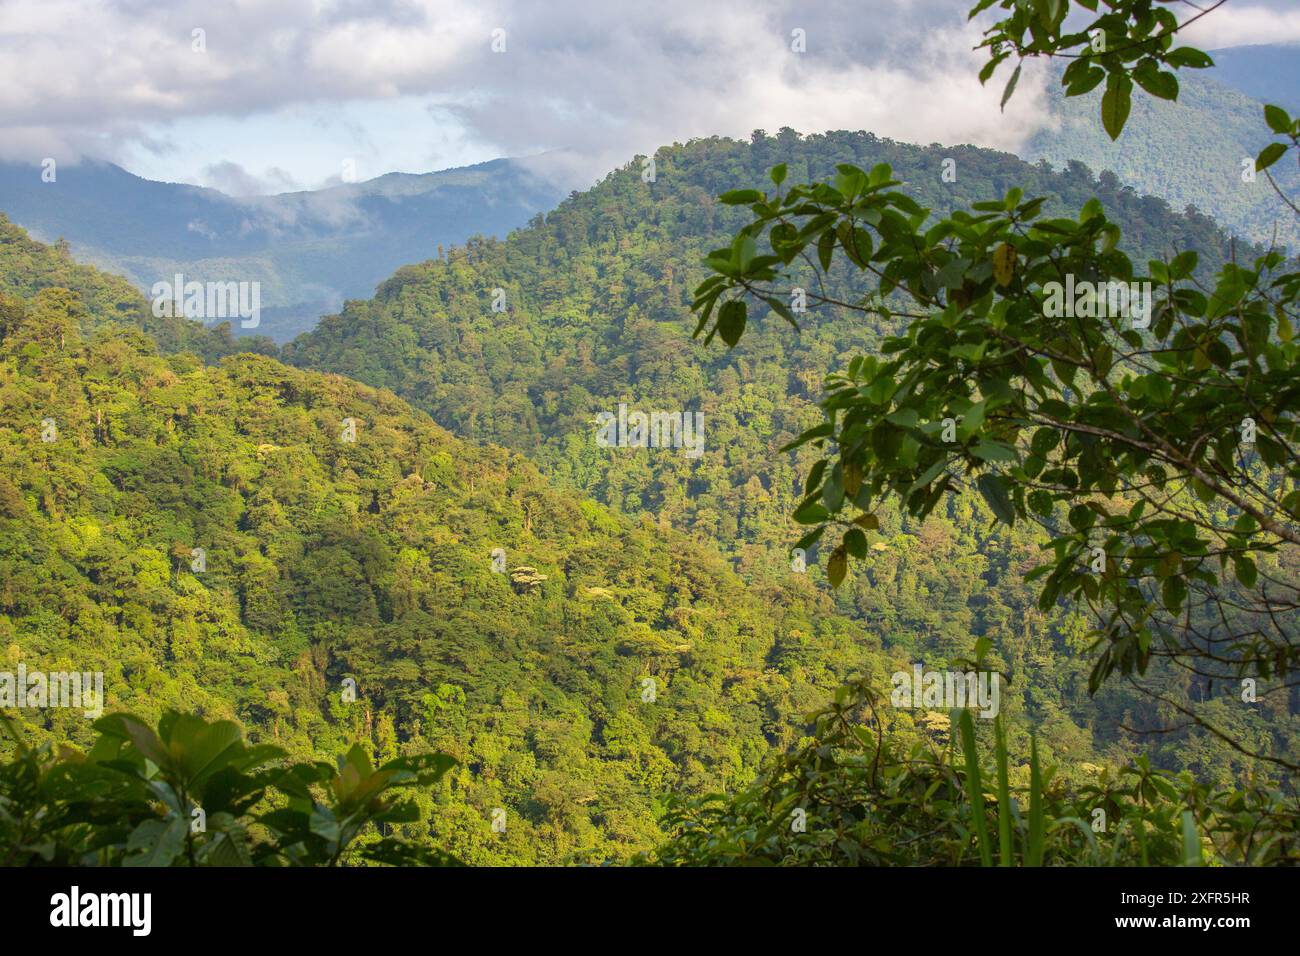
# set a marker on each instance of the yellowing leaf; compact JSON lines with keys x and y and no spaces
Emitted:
{"x":852,"y":478}
{"x":837,"y":567}
{"x":1004,"y":264}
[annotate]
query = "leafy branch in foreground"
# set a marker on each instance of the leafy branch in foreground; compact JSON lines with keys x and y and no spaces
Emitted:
{"x":1129,"y":42}
{"x":193,"y":793}
{"x":1146,"y":419}
{"x":1155,"y":457}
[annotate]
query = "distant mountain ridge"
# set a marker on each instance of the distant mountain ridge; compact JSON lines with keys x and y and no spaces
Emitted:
{"x":313,"y":250}
{"x":1193,"y":152}
{"x":309,"y":250}
{"x":1266,"y":72}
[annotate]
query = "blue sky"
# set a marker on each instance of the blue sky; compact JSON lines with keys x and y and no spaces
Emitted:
{"x":305,"y":145}
{"x":275,"y":95}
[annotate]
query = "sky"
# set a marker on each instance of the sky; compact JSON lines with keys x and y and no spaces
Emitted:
{"x":265,"y":96}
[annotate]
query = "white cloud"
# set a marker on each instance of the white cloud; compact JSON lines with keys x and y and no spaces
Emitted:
{"x":1233,"y":25}
{"x":234,"y":180}
{"x":604,"y":80}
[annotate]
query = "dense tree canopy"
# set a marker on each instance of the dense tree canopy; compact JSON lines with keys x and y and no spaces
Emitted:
{"x":1143,"y":416}
{"x":1048,"y":425}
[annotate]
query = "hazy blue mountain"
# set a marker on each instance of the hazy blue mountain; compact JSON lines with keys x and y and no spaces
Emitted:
{"x":309,"y":250}
{"x":1192,"y":152}
{"x":1267,"y":72}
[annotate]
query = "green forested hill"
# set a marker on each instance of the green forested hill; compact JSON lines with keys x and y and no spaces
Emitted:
{"x":597,"y":299}
{"x":328,"y":560}
{"x":372,"y":560}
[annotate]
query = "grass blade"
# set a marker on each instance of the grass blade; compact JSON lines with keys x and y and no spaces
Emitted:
{"x":1004,"y":793}
{"x":974,"y":787}
{"x":1037,"y":825}
{"x":1191,"y":841}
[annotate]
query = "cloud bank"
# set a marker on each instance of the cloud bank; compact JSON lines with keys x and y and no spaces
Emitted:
{"x":604,"y":80}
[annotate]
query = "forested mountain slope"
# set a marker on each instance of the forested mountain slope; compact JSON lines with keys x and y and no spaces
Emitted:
{"x":373,"y":560}
{"x":1199,"y":151}
{"x":596,"y":313}
{"x":612,"y":662}
{"x":1266,"y":71}
{"x":596,"y":301}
